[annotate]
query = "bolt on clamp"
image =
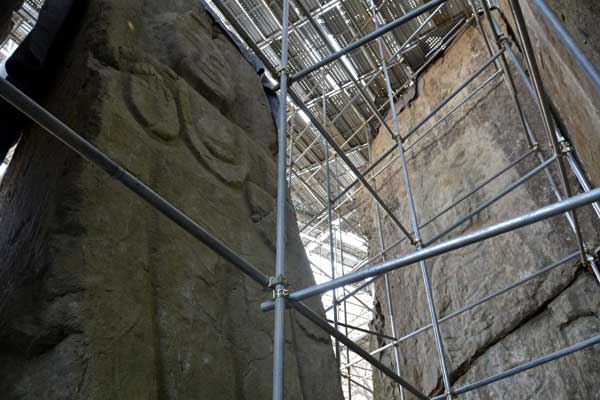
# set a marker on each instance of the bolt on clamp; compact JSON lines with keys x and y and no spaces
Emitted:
{"x":565,"y":146}
{"x":277,"y":293}
{"x":275,"y":281}
{"x":505,"y":38}
{"x":397,"y":136}
{"x":591,"y":254}
{"x":281,"y":69}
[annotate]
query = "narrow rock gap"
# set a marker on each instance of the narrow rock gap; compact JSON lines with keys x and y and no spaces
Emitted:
{"x":466,"y":366}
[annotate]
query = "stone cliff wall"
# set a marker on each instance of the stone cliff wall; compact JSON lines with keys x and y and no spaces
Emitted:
{"x":100,"y":296}
{"x":576,"y":101}
{"x":542,"y":316}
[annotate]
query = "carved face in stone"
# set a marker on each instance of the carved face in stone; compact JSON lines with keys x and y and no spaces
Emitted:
{"x":215,"y":140}
{"x":201,"y":62}
{"x":190,"y":95}
{"x":153,"y":105}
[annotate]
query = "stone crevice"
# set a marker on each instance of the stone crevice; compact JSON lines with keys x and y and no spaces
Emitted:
{"x":462,"y":369}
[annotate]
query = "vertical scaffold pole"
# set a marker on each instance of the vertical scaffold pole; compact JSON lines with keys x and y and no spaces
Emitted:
{"x":330,"y":227}
{"x":503,"y":65}
{"x":425,"y":274}
{"x":415,"y":224}
{"x":291,"y":154}
{"x":345,"y":303}
{"x":280,"y":291}
{"x":388,"y":289}
{"x":546,"y":114}
{"x":503,"y":43}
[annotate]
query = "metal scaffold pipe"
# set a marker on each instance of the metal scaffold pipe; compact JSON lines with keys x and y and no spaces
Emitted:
{"x":390,"y":150}
{"x":356,"y":83}
{"x":502,"y":42}
{"x":400,"y":50}
{"x":367,"y":38}
{"x":418,"y":245}
{"x":332,"y":254}
{"x":482,"y":301}
{"x":350,"y":165}
{"x":545,"y":112}
{"x":415,"y":225}
{"x":279,"y":287}
{"x":503,"y":66}
{"x":388,"y":289}
{"x":447,"y":246}
{"x":573,"y":163}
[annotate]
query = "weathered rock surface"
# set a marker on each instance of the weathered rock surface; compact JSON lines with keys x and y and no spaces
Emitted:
{"x":571,"y":318}
{"x":475,"y":143}
{"x":103,"y":298}
{"x":572,"y":94}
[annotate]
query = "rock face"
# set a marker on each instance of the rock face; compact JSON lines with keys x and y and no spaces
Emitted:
{"x":103,"y":298}
{"x":544,"y":315}
{"x":572,"y":94}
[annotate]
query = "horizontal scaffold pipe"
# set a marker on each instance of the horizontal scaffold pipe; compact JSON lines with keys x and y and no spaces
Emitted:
{"x":471,"y":306}
{"x":88,"y":151}
{"x":366,"y":39}
{"x":447,"y":246}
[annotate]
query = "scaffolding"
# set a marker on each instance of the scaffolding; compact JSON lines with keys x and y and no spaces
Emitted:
{"x":397,"y":51}
{"x":23,"y":20}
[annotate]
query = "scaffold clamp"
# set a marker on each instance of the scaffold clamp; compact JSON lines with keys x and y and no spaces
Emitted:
{"x":565,"y":146}
{"x":277,"y":293}
{"x":283,"y":68}
{"x":277,"y":280}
